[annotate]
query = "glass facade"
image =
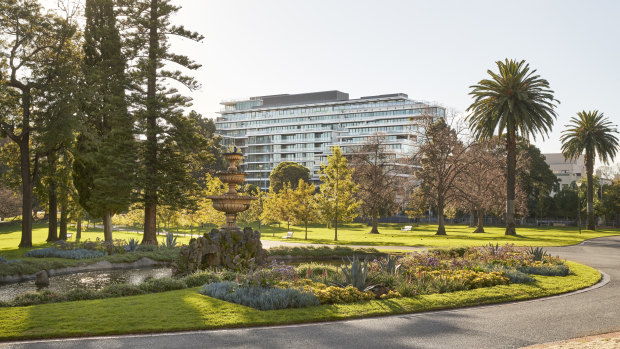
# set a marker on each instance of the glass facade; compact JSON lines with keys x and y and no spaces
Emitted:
{"x":272,"y":129}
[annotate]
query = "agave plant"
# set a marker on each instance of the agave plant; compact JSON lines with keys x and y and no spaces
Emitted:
{"x":132,"y":245}
{"x":356,"y":273}
{"x":494,"y":249}
{"x":390,"y":265}
{"x":170,"y":241}
{"x":537,"y":253}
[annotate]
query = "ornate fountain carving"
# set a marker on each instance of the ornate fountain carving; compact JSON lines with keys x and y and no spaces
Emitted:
{"x":231,"y":203}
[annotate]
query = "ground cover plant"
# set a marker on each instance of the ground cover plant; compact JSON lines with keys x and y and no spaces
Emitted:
{"x":418,"y":273}
{"x":187,"y":309}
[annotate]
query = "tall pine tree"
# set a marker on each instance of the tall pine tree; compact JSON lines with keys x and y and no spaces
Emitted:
{"x":171,"y":140}
{"x":104,"y":163}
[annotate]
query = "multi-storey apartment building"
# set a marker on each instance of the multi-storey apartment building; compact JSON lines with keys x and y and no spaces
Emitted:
{"x":567,"y":171}
{"x":303,"y":127}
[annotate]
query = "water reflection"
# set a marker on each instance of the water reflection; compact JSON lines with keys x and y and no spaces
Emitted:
{"x":94,"y":280}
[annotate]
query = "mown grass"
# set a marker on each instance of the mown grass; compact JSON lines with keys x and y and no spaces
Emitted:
{"x":424,"y":235}
{"x":188,"y":310}
{"x":10,"y":235}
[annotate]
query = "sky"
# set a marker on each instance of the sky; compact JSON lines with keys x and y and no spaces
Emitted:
{"x":430,"y":50}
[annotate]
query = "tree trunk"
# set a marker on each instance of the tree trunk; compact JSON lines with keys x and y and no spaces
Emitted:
{"x":78,"y":230}
{"x":375,"y":224}
{"x":590,"y":191}
{"x":336,"y":230}
{"x":52,"y":225}
{"x":471,"y":218}
{"x":306,"y":237}
{"x":511,"y":158}
{"x":24,"y":152}
{"x":480,"y":228}
{"x":63,"y":222}
{"x":441,"y":228}
{"x":150,"y":188}
{"x":107,"y":227}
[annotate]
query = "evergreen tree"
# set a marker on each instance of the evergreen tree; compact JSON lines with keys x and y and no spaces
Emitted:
{"x":171,"y":139}
{"x":105,"y":160}
{"x":336,"y":201}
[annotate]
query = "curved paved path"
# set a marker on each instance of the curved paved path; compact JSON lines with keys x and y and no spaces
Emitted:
{"x":497,"y":326}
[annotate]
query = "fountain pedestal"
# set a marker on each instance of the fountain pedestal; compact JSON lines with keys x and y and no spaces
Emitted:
{"x":231,"y":203}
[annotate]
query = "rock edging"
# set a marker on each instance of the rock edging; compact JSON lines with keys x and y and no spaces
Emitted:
{"x":143,"y":262}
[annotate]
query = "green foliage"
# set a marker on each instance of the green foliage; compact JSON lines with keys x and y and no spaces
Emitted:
{"x":120,"y":290}
{"x":170,"y":241}
{"x":71,"y":254}
{"x":132,"y":245}
{"x":356,"y":273}
{"x":336,"y":200}
{"x":260,"y":297}
{"x":321,"y":251}
{"x":546,"y":269}
{"x":390,"y":265}
{"x":514,"y":101}
{"x":206,"y":277}
{"x":162,"y":285}
{"x":516,"y":276}
{"x":287,"y":172}
{"x":537,"y":253}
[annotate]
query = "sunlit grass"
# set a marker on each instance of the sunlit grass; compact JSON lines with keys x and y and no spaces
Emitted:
{"x":187,"y":309}
{"x":424,"y":235}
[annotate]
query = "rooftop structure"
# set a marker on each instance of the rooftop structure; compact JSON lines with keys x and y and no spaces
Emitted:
{"x":303,"y":127}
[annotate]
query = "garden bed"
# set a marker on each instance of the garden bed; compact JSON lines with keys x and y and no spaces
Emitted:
{"x":188,"y":310}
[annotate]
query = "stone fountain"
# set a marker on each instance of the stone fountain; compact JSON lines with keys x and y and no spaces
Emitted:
{"x":229,"y":246}
{"x":231,"y":203}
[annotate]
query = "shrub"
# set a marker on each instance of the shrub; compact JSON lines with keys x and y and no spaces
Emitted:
{"x":147,"y":248}
{"x":202,"y":277}
{"x":260,"y":298}
{"x":120,"y":290}
{"x":80,"y":294}
{"x":32,"y":298}
{"x":316,"y":271}
{"x":70,"y":254}
{"x":515,"y":276}
{"x":321,"y":251}
{"x":162,"y":285}
{"x":545,"y":269}
{"x":3,"y":260}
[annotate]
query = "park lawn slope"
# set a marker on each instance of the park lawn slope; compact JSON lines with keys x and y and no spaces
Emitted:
{"x":189,"y":310}
{"x":424,"y":235}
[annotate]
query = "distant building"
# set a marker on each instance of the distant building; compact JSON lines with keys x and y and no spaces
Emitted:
{"x":303,"y":127}
{"x":567,"y":171}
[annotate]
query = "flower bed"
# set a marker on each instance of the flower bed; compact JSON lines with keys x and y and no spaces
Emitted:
{"x":430,"y":272}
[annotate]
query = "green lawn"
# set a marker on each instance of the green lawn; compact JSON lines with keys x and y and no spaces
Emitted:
{"x":10,"y":235}
{"x":187,"y":309}
{"x":424,"y":235}
{"x":350,"y":234}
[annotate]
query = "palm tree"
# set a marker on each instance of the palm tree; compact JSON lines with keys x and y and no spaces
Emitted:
{"x":513,"y":102}
{"x":593,"y":132}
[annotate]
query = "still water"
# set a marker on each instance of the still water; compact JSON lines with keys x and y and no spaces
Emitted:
{"x":93,"y":279}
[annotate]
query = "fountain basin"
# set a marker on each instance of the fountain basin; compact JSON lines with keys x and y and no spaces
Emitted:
{"x":232,"y":177}
{"x":231,"y":203}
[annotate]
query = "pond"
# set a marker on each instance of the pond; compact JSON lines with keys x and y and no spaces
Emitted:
{"x":95,"y":280}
